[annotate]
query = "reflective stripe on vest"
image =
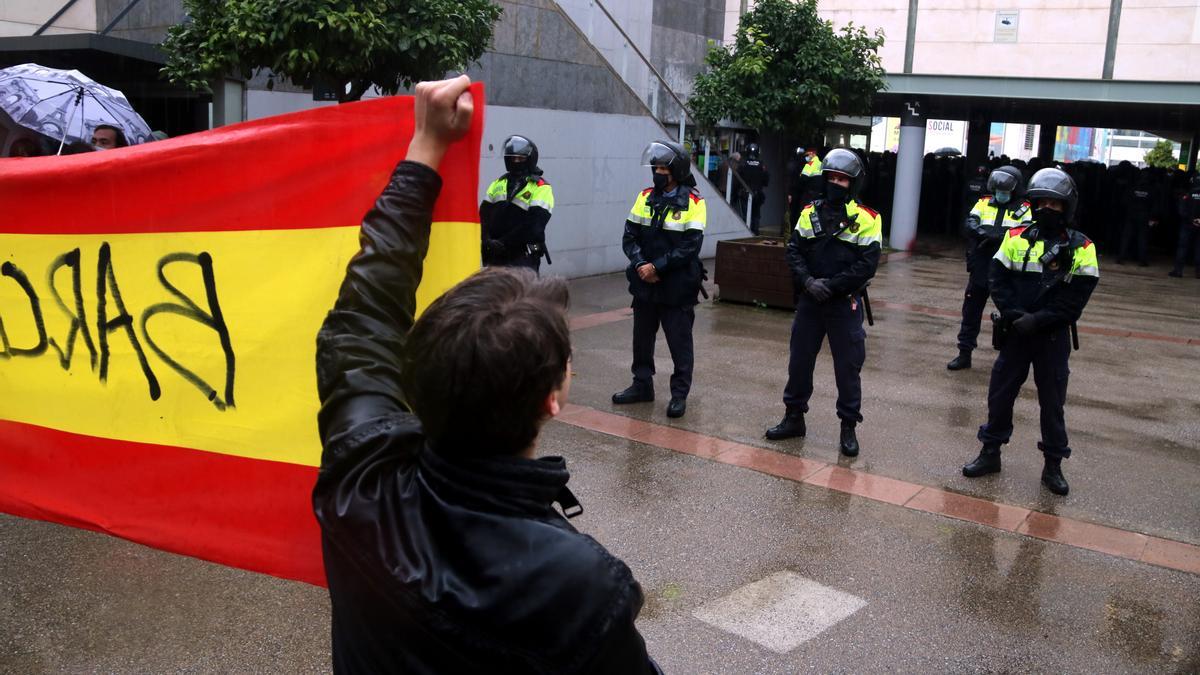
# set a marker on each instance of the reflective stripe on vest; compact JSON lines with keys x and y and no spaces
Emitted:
{"x":866,"y":230}
{"x":532,"y":195}
{"x":694,"y":217}
{"x":1012,"y":255}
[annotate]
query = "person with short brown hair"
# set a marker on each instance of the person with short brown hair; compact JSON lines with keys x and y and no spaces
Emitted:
{"x":107,"y":137}
{"x":443,"y":550}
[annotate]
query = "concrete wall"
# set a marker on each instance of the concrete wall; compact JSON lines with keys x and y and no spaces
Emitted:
{"x":1157,"y":41}
{"x":1158,"y":38}
{"x":539,"y":60}
{"x":148,"y":21}
{"x":682,"y":31}
{"x":22,"y":17}
{"x":593,"y":161}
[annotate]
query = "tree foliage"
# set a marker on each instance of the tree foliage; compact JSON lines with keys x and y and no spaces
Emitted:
{"x":1161,"y":155}
{"x":389,"y":43}
{"x":789,"y":70}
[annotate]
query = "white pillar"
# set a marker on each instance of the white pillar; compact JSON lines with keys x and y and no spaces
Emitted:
{"x":906,"y":204}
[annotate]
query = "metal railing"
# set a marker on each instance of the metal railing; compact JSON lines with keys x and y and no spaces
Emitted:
{"x":657,"y":99}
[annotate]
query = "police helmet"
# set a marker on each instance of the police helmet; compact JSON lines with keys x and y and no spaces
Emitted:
{"x":1196,"y":181}
{"x":1054,"y":184}
{"x":1005,"y":179}
{"x":670,"y":155}
{"x":800,"y":151}
{"x":752,"y":151}
{"x":519,"y":146}
{"x":846,"y":162}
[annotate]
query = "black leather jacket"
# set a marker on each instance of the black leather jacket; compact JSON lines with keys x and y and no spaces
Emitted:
{"x":440,"y":563}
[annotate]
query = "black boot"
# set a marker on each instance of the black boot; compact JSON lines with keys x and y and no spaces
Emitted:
{"x":849,"y":444}
{"x":1053,"y":478}
{"x":634,"y":393}
{"x":960,"y":362}
{"x":791,"y":426}
{"x":676,"y":407}
{"x":987,"y":462}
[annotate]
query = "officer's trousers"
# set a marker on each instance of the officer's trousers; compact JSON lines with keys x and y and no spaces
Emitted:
{"x":842,"y":320}
{"x":676,"y":324}
{"x":1135,"y":240}
{"x":1189,"y":246}
{"x":1048,"y":353}
{"x":974,"y":302}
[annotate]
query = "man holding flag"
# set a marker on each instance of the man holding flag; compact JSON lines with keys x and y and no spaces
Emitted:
{"x":442,"y":549}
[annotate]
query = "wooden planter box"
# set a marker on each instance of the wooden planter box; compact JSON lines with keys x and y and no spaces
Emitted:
{"x":754,"y":270}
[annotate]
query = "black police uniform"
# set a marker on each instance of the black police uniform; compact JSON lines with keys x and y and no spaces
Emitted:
{"x":1041,"y":279}
{"x":985,"y":226}
{"x":848,"y":262}
{"x":1056,"y":298}
{"x":516,"y":209}
{"x":1141,"y":206}
{"x":667,"y":231}
{"x":1189,"y":230}
{"x":757,"y":178}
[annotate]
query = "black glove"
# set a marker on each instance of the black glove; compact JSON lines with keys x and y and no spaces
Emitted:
{"x":818,"y":290}
{"x":1025,"y":324}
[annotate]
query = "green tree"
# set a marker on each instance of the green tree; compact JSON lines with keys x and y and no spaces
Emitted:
{"x":789,"y":71}
{"x":346,"y":44}
{"x":1161,"y":155}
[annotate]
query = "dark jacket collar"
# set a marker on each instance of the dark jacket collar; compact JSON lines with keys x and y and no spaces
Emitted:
{"x":512,"y":485}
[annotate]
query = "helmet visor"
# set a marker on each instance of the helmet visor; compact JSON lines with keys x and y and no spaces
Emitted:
{"x":1002,"y":181}
{"x":518,"y":146}
{"x":658,"y":154}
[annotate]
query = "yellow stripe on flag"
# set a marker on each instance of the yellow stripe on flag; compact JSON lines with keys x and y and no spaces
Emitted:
{"x":273,"y":289}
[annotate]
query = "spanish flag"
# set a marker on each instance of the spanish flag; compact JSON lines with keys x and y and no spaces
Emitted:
{"x":159,"y":307}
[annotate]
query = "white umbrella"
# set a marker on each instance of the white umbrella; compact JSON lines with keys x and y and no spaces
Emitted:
{"x":66,"y":105}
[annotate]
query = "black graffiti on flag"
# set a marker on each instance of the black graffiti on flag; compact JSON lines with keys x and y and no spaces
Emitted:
{"x":112,"y":316}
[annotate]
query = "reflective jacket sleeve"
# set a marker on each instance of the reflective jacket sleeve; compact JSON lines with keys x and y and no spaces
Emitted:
{"x":796,"y":248}
{"x":689,"y":248}
{"x":486,"y":211}
{"x":1002,"y":288}
{"x":359,"y":345}
{"x":629,"y":243}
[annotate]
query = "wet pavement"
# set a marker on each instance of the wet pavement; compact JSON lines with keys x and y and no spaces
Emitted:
{"x":775,"y":557}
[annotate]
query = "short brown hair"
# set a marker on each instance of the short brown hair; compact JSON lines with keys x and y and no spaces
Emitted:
{"x":483,"y":357}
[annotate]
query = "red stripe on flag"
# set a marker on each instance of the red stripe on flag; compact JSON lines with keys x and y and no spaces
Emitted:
{"x":258,"y":175}
{"x":247,"y":513}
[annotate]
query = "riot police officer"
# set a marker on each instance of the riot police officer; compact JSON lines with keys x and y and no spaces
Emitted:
{"x":514,"y":213}
{"x":833,"y":252}
{"x":1189,"y":230}
{"x":1041,"y":279}
{"x":1141,"y":210}
{"x":663,"y":235}
{"x":755,"y":173}
{"x":991,"y":217}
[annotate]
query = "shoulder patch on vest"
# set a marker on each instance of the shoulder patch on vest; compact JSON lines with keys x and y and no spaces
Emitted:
{"x":870,"y":211}
{"x":696,"y":198}
{"x":1016,"y":231}
{"x":647,"y":191}
{"x":541,"y":182}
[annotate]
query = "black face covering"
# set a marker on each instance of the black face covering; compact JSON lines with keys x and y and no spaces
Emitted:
{"x":836,"y":194}
{"x":1049,"y":221}
{"x":660,"y":181}
{"x":511,"y":165}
